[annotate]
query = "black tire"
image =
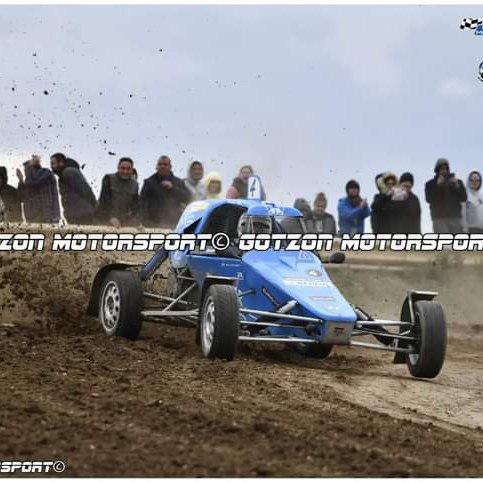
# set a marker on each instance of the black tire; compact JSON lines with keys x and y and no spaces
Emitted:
{"x":430,"y":329}
{"x":314,"y":351}
{"x":120,"y":304}
{"x":220,"y":322}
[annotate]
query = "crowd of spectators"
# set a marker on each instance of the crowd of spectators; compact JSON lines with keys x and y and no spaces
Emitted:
{"x":454,"y":207}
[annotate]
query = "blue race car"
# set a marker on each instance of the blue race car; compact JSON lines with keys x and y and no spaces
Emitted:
{"x":285,"y":296}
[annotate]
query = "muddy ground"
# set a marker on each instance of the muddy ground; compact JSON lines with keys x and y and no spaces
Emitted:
{"x":156,"y":407}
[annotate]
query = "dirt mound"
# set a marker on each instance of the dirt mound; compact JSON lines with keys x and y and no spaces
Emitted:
{"x":156,"y":407}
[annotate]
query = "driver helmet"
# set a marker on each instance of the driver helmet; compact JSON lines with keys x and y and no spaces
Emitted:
{"x":255,"y":225}
{"x":261,"y":225}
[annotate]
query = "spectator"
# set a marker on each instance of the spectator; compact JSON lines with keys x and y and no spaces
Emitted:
{"x":9,"y":199}
{"x":119,"y":198}
{"x":213,"y":186}
{"x":72,"y":163}
{"x":322,"y":221}
{"x":135,"y":174}
{"x":388,"y":206}
{"x":193,"y":181}
{"x":239,"y":186}
{"x":411,"y":217}
{"x":445,"y":193}
{"x":77,"y":197}
{"x":474,"y":204}
{"x":163,"y":196}
{"x":352,"y":210}
{"x":374,"y":217}
{"x":39,"y":192}
{"x":303,"y":206}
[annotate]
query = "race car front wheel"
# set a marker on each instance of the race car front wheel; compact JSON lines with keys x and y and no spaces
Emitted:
{"x":219,"y":322}
{"x":429,"y":330}
{"x":120,"y":304}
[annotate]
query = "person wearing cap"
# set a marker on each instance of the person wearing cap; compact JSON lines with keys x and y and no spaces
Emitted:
{"x":352,"y":210}
{"x":445,"y":193}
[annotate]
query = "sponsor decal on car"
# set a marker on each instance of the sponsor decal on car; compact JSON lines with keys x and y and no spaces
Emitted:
{"x":314,"y":273}
{"x":307,"y":282}
{"x":322,"y":298}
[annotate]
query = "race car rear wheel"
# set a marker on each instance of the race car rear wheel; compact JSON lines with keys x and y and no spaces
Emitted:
{"x":430,"y":347}
{"x":120,"y":304}
{"x":219,"y":322}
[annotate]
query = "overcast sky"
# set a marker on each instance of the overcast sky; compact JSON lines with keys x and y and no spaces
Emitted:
{"x":311,"y":96}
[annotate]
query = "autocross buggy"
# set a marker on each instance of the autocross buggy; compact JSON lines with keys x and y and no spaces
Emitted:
{"x":283,"y":296}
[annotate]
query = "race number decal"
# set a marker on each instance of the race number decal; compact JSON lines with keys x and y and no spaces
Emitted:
{"x":254,"y":188}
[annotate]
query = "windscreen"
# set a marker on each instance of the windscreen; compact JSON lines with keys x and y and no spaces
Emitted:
{"x":290,"y":224}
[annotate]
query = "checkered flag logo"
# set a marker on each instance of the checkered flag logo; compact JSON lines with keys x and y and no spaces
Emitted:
{"x":470,"y":23}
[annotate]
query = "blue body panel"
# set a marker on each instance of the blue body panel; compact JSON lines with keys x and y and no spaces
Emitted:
{"x":272,"y":277}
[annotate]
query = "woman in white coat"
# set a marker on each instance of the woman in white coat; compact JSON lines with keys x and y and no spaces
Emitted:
{"x":474,"y":205}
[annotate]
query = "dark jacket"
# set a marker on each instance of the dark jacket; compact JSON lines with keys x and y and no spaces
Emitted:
{"x":387,"y":214}
{"x":325,"y":224}
{"x":445,"y":199}
{"x":40,"y":196}
{"x":119,"y":198}
{"x":10,"y":197}
{"x":410,"y":221}
{"x":78,"y":199}
{"x":162,"y":206}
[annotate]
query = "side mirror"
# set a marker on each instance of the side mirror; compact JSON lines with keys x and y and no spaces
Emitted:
{"x":337,"y":257}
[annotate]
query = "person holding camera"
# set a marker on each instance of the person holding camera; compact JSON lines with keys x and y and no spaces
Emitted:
{"x":445,"y":193}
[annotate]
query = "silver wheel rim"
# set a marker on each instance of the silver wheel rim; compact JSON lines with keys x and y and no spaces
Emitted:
{"x":208,"y":326}
{"x":110,"y":307}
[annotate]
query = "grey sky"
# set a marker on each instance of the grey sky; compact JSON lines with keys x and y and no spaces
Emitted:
{"x":311,"y":96}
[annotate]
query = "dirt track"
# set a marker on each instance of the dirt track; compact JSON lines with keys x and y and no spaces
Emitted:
{"x":156,"y":407}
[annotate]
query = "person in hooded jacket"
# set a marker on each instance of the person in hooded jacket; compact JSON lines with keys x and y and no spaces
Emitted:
{"x":39,"y":193}
{"x":352,"y":210}
{"x":303,"y":206}
{"x":10,"y":200}
{"x":239,"y":186}
{"x":473,"y":212}
{"x":389,"y":205}
{"x":445,"y":193}
{"x":213,"y":186}
{"x":163,"y":196}
{"x":194,"y":181}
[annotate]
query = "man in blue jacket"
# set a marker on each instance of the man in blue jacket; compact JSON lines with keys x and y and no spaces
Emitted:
{"x":352,"y":210}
